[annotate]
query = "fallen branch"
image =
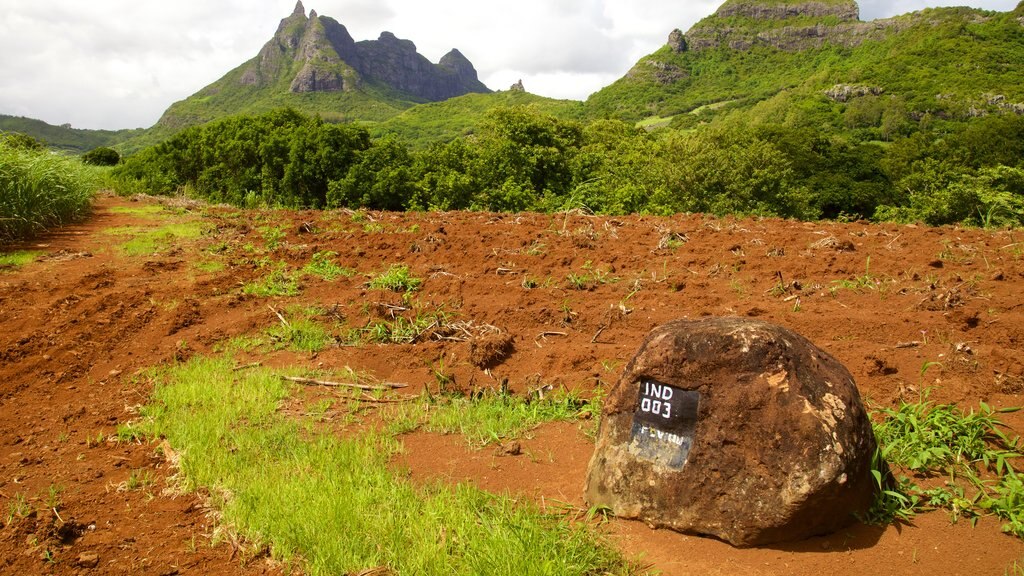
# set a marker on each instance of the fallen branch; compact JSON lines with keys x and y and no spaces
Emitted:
{"x":328,"y":384}
{"x":913,"y":344}
{"x":283,"y":321}
{"x":246,"y":367}
{"x":597,"y":334}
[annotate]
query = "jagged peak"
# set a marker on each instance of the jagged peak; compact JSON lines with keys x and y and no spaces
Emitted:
{"x":391,"y":39}
{"x":299,"y":9}
{"x":312,"y":15}
{"x":454,"y":58}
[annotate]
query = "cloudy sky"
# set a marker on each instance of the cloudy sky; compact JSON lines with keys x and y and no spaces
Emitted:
{"x":119,"y":64}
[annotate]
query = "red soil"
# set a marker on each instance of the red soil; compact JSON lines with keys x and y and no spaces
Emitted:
{"x":78,"y":326}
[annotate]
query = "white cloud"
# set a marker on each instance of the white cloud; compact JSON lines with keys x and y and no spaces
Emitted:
{"x":115,"y":64}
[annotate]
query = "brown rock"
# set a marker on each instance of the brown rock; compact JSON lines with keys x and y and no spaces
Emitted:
{"x":88,"y":560}
{"x":737,"y":429}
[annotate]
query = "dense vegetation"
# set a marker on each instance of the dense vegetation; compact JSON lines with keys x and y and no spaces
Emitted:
{"x":39,"y":189}
{"x":518,"y":158}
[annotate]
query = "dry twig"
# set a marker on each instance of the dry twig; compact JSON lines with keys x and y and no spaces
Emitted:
{"x":328,"y":384}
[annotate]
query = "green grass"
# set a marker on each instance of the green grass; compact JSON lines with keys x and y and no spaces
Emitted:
{"x":488,"y":419}
{"x":149,"y":210}
{"x":210,"y":266}
{"x":278,"y":283}
{"x":333,"y":505}
{"x":147,"y":242}
{"x":324,"y":266}
{"x":40,"y":190}
{"x":397,"y":279}
{"x":399,"y":330}
{"x":17,"y":259}
{"x":968,"y":449}
{"x":301,"y":335}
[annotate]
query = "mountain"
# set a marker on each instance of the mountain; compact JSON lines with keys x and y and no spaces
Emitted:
{"x":945,"y":62}
{"x":314,"y":65}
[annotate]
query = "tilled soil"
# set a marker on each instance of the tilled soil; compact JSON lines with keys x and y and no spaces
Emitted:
{"x":559,"y":301}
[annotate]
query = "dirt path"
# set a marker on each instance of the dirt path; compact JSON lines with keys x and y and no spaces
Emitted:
{"x":78,"y":327}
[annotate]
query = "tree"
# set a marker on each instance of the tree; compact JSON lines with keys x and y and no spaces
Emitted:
{"x":102,"y":156}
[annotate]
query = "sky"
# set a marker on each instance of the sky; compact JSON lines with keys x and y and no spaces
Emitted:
{"x":115,"y":64}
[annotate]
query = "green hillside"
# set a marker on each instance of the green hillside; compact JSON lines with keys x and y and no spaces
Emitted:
{"x":64,"y":137}
{"x":943,"y":62}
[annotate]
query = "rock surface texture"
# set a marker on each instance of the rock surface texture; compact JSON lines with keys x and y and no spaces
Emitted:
{"x":737,"y":429}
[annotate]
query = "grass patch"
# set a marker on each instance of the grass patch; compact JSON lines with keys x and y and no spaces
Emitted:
{"x":40,"y":190}
{"x":278,"y":283}
{"x":323,"y":265}
{"x":493,"y":417}
{"x":968,"y":449}
{"x":332,"y":504}
{"x":210,"y":266}
{"x":301,"y":335}
{"x":15,"y":260}
{"x":144,"y":211}
{"x":398,"y":329}
{"x":397,"y":279}
{"x":149,"y":242}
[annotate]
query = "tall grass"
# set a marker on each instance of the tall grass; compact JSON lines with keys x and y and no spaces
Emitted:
{"x":335,"y":505}
{"x":40,"y":190}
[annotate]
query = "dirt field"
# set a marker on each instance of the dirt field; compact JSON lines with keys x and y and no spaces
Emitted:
{"x":78,"y":325}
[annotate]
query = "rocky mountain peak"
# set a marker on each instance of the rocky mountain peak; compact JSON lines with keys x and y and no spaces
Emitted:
{"x":317,"y":54}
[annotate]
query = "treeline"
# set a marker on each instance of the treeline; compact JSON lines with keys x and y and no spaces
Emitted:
{"x":520,"y":159}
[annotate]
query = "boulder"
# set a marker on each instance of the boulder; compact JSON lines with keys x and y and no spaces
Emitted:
{"x":676,"y":41}
{"x":737,"y":429}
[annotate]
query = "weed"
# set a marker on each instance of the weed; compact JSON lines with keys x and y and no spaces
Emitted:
{"x":300,"y":335}
{"x":399,"y":330}
{"x":396,"y":279}
{"x":99,"y":439}
{"x":138,"y":479}
{"x":324,"y":266}
{"x":17,"y":508}
{"x":53,"y":493}
{"x":529,"y":283}
{"x":536,"y":249}
{"x":272,"y":236}
{"x":968,"y":448}
{"x":277,"y":283}
{"x":737,"y":287}
{"x":579,"y":281}
{"x":865,"y":282}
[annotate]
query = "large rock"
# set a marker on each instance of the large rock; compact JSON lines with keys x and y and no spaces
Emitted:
{"x":736,"y":429}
